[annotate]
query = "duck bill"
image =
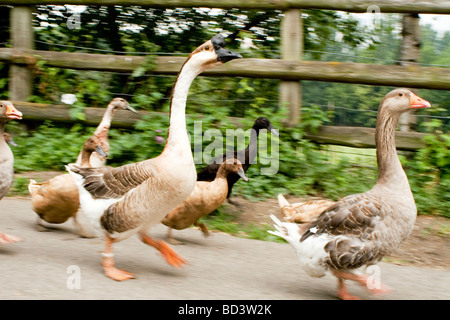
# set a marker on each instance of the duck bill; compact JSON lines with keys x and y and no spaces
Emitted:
{"x":273,"y":130}
{"x":418,"y":102}
{"x":128,"y":107}
{"x":223,"y":55}
{"x":100,"y":151}
{"x":12,"y":143}
{"x":241,"y":174}
{"x":13,"y":113}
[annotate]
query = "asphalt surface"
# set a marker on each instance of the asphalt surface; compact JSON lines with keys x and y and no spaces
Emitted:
{"x":58,"y":264}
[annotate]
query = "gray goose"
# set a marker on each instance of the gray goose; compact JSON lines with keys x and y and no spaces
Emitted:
{"x":358,"y":230}
{"x":206,"y":197}
{"x":130,"y":199}
{"x":7,"y":112}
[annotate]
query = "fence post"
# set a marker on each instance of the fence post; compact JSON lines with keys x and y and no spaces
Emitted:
{"x":291,"y":49}
{"x":22,"y":37}
{"x":409,"y":52}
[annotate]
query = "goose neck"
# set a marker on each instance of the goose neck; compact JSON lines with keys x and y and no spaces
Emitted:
{"x":390,"y":170}
{"x":177,"y":135}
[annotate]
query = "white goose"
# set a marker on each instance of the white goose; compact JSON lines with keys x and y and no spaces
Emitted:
{"x":7,"y":112}
{"x":358,"y":230}
{"x":130,"y":199}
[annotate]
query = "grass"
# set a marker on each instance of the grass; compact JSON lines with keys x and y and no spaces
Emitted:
{"x":19,"y":187}
{"x":225,"y":221}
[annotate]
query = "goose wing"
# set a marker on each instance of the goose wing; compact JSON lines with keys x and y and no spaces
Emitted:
{"x":352,"y":224}
{"x":112,"y":183}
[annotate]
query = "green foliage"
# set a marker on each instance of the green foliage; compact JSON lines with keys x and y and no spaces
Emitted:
{"x":49,"y":147}
{"x":429,"y":175}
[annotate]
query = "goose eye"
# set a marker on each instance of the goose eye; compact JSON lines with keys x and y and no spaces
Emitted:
{"x":207,"y":48}
{"x":400,"y":94}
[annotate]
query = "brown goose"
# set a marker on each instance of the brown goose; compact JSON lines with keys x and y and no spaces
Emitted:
{"x":358,"y":230}
{"x":206,"y":197}
{"x":56,"y":200}
{"x":7,"y":112}
{"x":101,"y":132}
{"x":131,"y":199}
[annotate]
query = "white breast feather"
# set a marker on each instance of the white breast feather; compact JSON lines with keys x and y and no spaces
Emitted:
{"x":92,"y":208}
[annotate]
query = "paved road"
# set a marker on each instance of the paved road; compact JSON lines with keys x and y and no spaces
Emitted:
{"x":45,"y":266}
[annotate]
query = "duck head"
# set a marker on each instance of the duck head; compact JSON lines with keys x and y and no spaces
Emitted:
{"x":121,"y":104}
{"x":93,"y":144}
{"x":234,"y":165}
{"x":264,"y":123}
{"x":9,"y":140}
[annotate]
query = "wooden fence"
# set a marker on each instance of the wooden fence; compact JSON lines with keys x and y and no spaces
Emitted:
{"x":290,"y":68}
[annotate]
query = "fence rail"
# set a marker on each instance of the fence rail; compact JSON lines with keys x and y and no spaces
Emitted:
{"x":385,"y":6}
{"x":358,"y":137}
{"x":292,"y":70}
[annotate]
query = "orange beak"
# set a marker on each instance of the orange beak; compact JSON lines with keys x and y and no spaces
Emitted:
{"x":13,"y":113}
{"x":418,"y":102}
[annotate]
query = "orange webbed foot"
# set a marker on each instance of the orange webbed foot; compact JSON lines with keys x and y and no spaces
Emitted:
{"x":7,"y":238}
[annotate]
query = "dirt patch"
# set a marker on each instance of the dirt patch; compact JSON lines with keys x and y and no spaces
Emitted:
{"x":427,"y":246}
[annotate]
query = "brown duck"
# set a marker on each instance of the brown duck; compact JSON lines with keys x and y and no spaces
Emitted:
{"x":56,"y":200}
{"x":206,"y":197}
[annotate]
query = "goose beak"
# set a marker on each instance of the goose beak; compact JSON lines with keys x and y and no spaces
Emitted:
{"x":418,"y":102}
{"x":12,"y":112}
{"x":128,"y":107}
{"x":100,"y":151}
{"x":273,"y":130}
{"x":223,"y":55}
{"x":241,"y":173}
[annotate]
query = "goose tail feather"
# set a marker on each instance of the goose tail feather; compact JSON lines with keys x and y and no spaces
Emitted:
{"x":286,"y":230}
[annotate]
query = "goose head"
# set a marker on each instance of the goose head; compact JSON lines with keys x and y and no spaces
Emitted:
{"x":121,"y":104}
{"x":8,"y":111}
{"x":264,"y":123}
{"x":234,"y":165}
{"x":211,"y":54}
{"x":401,"y":100}
{"x":93,"y":144}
